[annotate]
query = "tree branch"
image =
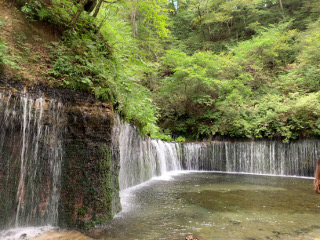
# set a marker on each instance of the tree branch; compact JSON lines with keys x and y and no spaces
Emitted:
{"x":111,"y":2}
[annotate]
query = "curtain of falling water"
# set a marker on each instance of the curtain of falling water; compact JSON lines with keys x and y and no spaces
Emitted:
{"x":30,"y":160}
{"x":144,"y":158}
{"x":297,"y":158}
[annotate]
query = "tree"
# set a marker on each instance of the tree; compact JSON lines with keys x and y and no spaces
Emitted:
{"x":78,"y":13}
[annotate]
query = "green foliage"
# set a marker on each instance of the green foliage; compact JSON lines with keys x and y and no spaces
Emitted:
{"x":154,"y":11}
{"x":310,"y":43}
{"x":59,"y":13}
{"x":84,"y":59}
{"x":163,"y":137}
{"x":5,"y":58}
{"x":239,"y":68}
{"x":214,"y":24}
{"x":271,"y":49}
{"x":254,"y":91}
{"x":180,"y":139}
{"x":82,"y":62}
{"x":196,"y":88}
{"x":35,"y":10}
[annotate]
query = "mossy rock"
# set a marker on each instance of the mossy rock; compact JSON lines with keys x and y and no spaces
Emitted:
{"x":89,"y":188}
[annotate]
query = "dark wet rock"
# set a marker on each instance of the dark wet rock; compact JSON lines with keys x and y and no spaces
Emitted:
{"x":37,"y":90}
{"x":235,"y":222}
{"x":89,"y":190}
{"x":23,"y":237}
{"x":193,"y":237}
{"x":303,"y":231}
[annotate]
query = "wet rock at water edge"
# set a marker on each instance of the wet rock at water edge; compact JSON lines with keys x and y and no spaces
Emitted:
{"x":193,"y":237}
{"x":235,"y":222}
{"x":315,"y":227}
{"x":23,"y":237}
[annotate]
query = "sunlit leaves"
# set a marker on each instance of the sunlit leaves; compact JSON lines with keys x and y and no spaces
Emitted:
{"x":267,"y":86}
{"x":272,"y":48}
{"x":310,"y":40}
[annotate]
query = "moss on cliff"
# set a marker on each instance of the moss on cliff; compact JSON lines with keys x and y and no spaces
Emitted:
{"x":89,"y":190}
{"x":89,"y":186}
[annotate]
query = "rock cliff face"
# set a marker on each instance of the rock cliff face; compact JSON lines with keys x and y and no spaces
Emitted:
{"x":58,"y":163}
{"x":90,"y":170}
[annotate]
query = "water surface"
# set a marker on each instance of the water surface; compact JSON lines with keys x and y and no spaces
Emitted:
{"x":209,"y":205}
{"x":217,"y":206}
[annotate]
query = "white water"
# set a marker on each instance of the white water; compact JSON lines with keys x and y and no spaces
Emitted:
{"x":30,"y":161}
{"x":144,"y":158}
{"x":24,"y":233}
{"x":259,"y":157}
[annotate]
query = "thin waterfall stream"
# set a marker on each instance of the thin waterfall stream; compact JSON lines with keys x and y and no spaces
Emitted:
{"x":29,"y":193}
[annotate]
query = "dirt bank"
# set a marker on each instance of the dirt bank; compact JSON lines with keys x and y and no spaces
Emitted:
{"x":27,"y":44}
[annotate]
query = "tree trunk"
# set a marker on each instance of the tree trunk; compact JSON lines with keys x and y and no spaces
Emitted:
{"x":281,"y":10}
{"x":78,"y":13}
{"x":134,"y":21}
{"x":280,"y":3}
{"x":96,"y":11}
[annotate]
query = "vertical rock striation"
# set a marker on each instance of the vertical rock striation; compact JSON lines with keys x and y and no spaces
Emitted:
{"x":58,"y":164}
{"x":90,"y":188}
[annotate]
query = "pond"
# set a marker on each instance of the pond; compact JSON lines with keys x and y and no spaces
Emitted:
{"x":214,"y":205}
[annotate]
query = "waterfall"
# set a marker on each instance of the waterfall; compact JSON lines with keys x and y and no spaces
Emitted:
{"x":272,"y":157}
{"x":142,"y":158}
{"x":37,"y":133}
{"x":30,"y":160}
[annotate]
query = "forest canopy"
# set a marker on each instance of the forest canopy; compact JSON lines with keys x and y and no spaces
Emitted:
{"x":192,"y":69}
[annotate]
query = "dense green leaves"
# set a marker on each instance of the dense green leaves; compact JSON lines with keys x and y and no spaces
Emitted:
{"x":5,"y":59}
{"x":100,"y":54}
{"x":267,"y":86}
{"x":239,"y":68}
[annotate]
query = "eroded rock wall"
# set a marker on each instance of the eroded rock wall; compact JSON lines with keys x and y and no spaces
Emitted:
{"x":90,"y":172}
{"x":56,"y":148}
